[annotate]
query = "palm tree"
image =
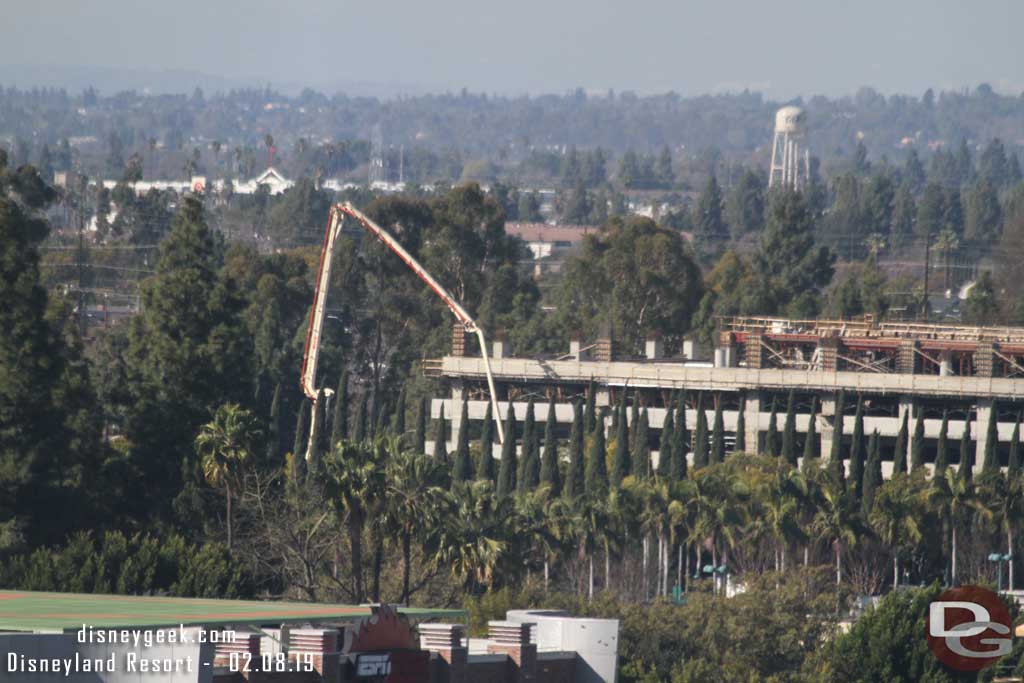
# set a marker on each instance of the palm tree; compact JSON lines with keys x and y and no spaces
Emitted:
{"x":838,"y":523}
{"x":413,"y":501}
{"x":680,"y":517}
{"x":896,"y":517}
{"x":355,"y":483}
{"x":955,"y":498}
{"x":474,"y":539}
{"x":591,"y":515}
{"x":1003,"y":497}
{"x":225,"y":445}
{"x":781,"y":510}
{"x":719,"y":513}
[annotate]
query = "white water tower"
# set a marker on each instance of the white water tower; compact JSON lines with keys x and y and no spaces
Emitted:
{"x":791,"y":157}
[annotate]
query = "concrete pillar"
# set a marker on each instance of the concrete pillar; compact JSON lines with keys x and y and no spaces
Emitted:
{"x":907,"y":408}
{"x":576,"y":350}
{"x":752,"y":419}
{"x":654,"y":349}
{"x":498,"y":348}
{"x":826,"y":428}
{"x":982,"y":415}
{"x":945,"y":364}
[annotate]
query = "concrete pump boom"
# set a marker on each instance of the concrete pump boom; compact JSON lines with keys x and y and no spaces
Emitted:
{"x":317,"y":315}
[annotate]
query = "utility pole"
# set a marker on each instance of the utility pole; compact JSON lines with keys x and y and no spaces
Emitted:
{"x":927,"y":264}
{"x":81,"y":257}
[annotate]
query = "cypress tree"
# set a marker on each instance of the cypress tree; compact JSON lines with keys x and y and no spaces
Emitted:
{"x":574,"y":478}
{"x":836,"y":468}
{"x":298,"y":461}
{"x":990,"y":460}
{"x":634,"y":422}
{"x":526,"y":457}
{"x":966,"y":471}
{"x":462,"y":470}
{"x":596,"y":465}
{"x":621,"y":464}
{"x":1013,"y":464}
{"x":899,"y":456}
{"x":872,"y":474}
{"x":549,"y":474}
{"x":771,"y":439}
{"x":941,"y":455}
{"x":718,"y":434}
{"x":398,"y":425}
{"x":373,"y":415}
{"x":441,"y":440}
{"x":665,"y":445}
{"x":682,"y":442}
{"x":383,"y":417}
{"x":590,"y":414}
{"x":485,"y":466}
{"x":318,"y":440}
{"x":741,"y":427}
{"x":339,"y":420}
{"x":274,"y":444}
{"x":857,"y":451}
{"x":642,"y":452}
{"x":917,"y":443}
{"x":811,"y":439}
{"x":359,"y":432}
{"x":419,"y":439}
{"x":507,"y":468}
{"x":700,"y":439}
{"x":789,"y":432}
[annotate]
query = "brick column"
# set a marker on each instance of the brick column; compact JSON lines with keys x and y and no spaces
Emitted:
{"x":244,"y":643}
{"x":513,"y":639}
{"x":828,"y":350}
{"x":458,"y":340}
{"x":984,"y":359}
{"x":322,"y":644}
{"x":753,"y":352}
{"x":446,"y":641}
{"x":906,"y":359}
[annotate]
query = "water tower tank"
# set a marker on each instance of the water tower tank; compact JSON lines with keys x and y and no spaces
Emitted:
{"x":790,"y":166}
{"x":790,"y":120}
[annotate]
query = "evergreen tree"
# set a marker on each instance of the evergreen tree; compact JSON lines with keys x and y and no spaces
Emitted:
{"x":700,"y":438}
{"x":526,"y":457}
{"x":665,"y":444}
{"x":917,"y":443}
{"x":574,"y":478}
{"x":621,"y":463}
{"x":1013,"y":464}
{"x":707,"y":219}
{"x":399,"y":421}
{"x":419,"y":439}
{"x":741,"y":427}
{"x":990,"y":460}
{"x":682,"y":441}
{"x":837,"y":469}
{"x":596,"y":465}
{"x":441,"y":440}
{"x":634,"y":422}
{"x":789,"y":432}
{"x":966,"y":471}
{"x":485,"y":465}
{"x":718,"y":434}
{"x":549,"y":474}
{"x":941,"y":454}
{"x":359,"y":428}
{"x":318,"y":445}
{"x":899,"y":455}
{"x":771,"y":439}
{"x":590,"y":414}
{"x":642,"y":449}
{"x":339,"y":420}
{"x":872,"y":474}
{"x":507,"y":468}
{"x":297,"y":475}
{"x":274,"y":444}
{"x":810,"y":458}
{"x":857,"y":451}
{"x":462,"y":470}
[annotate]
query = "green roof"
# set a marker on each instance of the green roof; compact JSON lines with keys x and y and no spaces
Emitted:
{"x":31,"y":611}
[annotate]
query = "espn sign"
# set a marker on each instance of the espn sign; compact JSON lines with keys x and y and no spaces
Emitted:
{"x":395,"y":666}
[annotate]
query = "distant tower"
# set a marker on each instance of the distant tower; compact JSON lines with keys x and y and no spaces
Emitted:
{"x":377,"y":155}
{"x":791,"y":157}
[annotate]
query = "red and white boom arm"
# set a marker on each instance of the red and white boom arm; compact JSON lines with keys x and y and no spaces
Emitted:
{"x":316,"y":318}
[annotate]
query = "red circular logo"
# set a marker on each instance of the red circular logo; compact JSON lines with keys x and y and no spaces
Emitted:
{"x":969,"y":628}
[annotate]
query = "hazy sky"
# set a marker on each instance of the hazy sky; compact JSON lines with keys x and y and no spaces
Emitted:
{"x":781,"y":47}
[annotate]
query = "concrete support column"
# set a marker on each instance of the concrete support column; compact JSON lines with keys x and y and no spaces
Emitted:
{"x":982,"y":415}
{"x":458,"y":398}
{"x":826,"y":427}
{"x":752,"y":419}
{"x":907,"y":408}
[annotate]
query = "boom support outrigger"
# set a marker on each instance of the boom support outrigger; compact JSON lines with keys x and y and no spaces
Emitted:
{"x":316,"y":318}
